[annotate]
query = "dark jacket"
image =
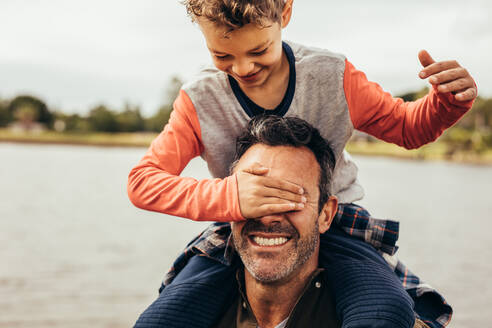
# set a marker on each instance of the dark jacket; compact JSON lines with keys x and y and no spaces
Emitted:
{"x":198,"y":296}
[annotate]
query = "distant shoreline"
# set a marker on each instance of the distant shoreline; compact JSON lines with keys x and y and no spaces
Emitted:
{"x":74,"y":143}
{"x":437,"y":151}
{"x":80,"y":139}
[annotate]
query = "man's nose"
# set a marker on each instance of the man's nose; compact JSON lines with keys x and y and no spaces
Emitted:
{"x":272,"y":219}
{"x":243,"y":67}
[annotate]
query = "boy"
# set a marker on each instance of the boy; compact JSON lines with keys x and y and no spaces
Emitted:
{"x":256,"y":72}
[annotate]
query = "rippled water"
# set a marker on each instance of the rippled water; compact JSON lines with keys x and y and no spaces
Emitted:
{"x":76,"y":253}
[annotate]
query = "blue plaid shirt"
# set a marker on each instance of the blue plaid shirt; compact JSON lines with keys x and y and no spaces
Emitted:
{"x":430,"y":306}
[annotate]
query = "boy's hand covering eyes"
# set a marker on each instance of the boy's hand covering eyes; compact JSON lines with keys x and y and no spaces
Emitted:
{"x":448,"y":76}
{"x":260,"y":195}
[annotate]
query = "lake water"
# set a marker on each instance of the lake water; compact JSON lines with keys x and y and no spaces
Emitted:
{"x":75,"y":253}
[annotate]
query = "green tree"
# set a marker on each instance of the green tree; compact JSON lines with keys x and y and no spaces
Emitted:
{"x":5,"y":116}
{"x":29,"y":107}
{"x":157,"y":121}
{"x":130,"y":120}
{"x":73,"y":122}
{"x":26,"y":113}
{"x":412,"y":96}
{"x":172,"y":90}
{"x":482,"y":114}
{"x":102,"y":119}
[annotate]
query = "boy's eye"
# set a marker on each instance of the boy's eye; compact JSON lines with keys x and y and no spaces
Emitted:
{"x":221,"y":57}
{"x":259,"y":53}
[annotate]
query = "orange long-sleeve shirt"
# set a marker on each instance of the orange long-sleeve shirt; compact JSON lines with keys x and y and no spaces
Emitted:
{"x":207,"y":117}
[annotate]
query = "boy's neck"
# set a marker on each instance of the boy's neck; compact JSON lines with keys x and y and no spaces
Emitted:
{"x":271,"y":93}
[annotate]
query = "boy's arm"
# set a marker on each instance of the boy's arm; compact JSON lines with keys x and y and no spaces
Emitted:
{"x":407,"y":124}
{"x":155,"y":185}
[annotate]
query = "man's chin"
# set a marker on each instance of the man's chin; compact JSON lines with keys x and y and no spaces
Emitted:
{"x":268,"y":270}
{"x":266,"y":277}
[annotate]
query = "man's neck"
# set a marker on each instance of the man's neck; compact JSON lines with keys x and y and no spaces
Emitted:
{"x":271,"y":303}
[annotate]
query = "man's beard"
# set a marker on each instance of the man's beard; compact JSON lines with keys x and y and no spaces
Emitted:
{"x":300,"y":251}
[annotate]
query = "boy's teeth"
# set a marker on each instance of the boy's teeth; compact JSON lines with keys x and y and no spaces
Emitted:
{"x":269,"y":241}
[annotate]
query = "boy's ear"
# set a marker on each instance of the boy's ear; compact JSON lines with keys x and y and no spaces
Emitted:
{"x":327,"y":214}
{"x":287,"y":13}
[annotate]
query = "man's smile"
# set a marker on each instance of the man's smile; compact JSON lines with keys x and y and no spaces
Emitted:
{"x":266,"y":240}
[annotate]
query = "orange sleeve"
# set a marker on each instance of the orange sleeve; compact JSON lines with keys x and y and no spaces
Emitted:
{"x":407,"y":124}
{"x":155,"y":185}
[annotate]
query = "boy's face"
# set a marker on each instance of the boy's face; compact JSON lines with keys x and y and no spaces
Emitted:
{"x":250,"y":54}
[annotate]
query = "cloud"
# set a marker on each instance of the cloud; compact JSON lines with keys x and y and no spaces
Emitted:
{"x":129,"y":49}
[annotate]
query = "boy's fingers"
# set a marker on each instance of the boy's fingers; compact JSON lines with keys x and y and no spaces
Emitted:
{"x":466,"y":95}
{"x":449,"y":75}
{"x":283,"y":185}
{"x":454,"y":86}
{"x":268,"y":209}
{"x":286,"y":195}
{"x":257,"y":169}
{"x":438,"y":68}
{"x":425,"y":58}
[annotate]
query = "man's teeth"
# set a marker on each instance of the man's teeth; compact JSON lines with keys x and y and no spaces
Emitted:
{"x":269,"y":241}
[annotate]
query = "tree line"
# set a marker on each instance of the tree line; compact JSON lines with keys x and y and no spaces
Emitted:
{"x":27,"y":109}
{"x":471,"y":133}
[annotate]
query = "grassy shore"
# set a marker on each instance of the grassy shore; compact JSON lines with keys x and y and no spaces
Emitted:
{"x":435,"y":151}
{"x":90,"y":139}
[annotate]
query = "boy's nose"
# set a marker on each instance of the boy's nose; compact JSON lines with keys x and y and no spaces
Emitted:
{"x":243,"y":68}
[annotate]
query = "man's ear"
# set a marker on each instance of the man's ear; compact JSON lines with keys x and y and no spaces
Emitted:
{"x":287,"y":13}
{"x":327,"y":214}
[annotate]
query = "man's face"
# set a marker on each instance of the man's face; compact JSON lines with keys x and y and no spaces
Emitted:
{"x":249,"y":54}
{"x":276,"y":247}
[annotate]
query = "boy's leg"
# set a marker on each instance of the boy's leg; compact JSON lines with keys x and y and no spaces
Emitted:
{"x":367,"y":292}
{"x":198,"y":285}
{"x":430,"y":306}
{"x":195,"y":298}
{"x":355,"y":221}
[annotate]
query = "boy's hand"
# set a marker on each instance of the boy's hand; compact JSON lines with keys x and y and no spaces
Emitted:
{"x":449,"y":76}
{"x":260,"y":195}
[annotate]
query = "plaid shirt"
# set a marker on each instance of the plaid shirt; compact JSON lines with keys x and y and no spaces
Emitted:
{"x":355,"y":221}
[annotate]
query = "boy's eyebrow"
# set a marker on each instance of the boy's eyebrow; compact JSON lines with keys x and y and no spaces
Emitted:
{"x":263,"y":45}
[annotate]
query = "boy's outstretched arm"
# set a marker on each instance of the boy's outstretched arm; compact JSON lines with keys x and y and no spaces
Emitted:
{"x":410,"y":124}
{"x":155,"y":185}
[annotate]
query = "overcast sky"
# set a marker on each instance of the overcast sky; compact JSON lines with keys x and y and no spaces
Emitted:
{"x":76,"y":54}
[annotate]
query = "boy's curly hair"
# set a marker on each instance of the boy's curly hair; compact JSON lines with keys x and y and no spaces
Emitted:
{"x":234,"y":14}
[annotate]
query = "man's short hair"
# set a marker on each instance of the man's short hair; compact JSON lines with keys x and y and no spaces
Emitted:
{"x":234,"y":14}
{"x":274,"y":130}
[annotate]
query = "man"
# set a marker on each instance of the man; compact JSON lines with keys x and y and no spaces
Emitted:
{"x":278,"y":281}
